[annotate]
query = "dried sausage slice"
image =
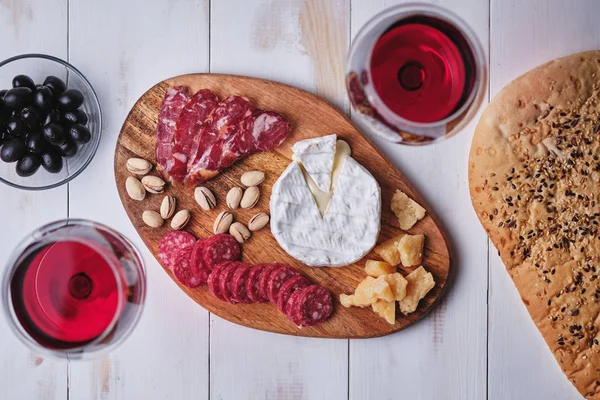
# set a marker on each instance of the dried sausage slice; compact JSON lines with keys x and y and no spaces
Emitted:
{"x":220,"y":248}
{"x":197,"y":260}
{"x":289,"y":287}
{"x":185,"y":272}
{"x":253,"y":284}
{"x":310,"y":306}
{"x":238,"y":284}
{"x":214,"y":281}
{"x":171,"y":243}
{"x":225,"y":281}
{"x":277,"y":278}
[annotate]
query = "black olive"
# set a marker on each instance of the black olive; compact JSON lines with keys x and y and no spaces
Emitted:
{"x":68,"y":148}
{"x":57,"y":85}
{"x":54,"y":133}
{"x":75,"y":117}
{"x":52,"y":161}
{"x":17,"y":97}
{"x":23,"y":81}
{"x":52,"y":116}
{"x":31,"y":116}
{"x":43,"y":98}
{"x":15,"y":127}
{"x":13,"y":150}
{"x":36,"y":143}
{"x":70,"y":99}
{"x":79,"y":133}
{"x":29,"y":164}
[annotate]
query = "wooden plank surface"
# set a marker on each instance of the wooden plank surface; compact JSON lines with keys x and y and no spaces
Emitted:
{"x":124,"y":48}
{"x":444,"y":356}
{"x":121,"y":47}
{"x":524,"y":35}
{"x":23,"y":374}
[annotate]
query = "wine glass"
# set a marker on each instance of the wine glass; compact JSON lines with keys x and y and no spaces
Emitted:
{"x":74,"y":288}
{"x":416,"y":73}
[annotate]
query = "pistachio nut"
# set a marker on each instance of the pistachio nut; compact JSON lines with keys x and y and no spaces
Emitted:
{"x":205,"y":198}
{"x":138,"y":166}
{"x":223,"y":222}
{"x":167,"y":207}
{"x":250,"y":197}
{"x":258,"y":222}
{"x":152,"y":218}
{"x":180,"y":219}
{"x":135,"y":189}
{"x":234,"y":196}
{"x":252,"y":178}
{"x":153,"y":184}
{"x":239,"y":232}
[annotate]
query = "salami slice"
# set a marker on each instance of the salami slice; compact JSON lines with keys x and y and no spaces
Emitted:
{"x":214,"y":281}
{"x":263,"y":281}
{"x":171,"y":107}
{"x":310,"y":306}
{"x":189,"y":124}
{"x":253,"y":284}
{"x":185,"y":272}
{"x":289,"y":287}
{"x":171,"y":243}
{"x":277,"y":278}
{"x":197,"y":260}
{"x":238,"y":284}
{"x":225,"y":281}
{"x":220,"y":248}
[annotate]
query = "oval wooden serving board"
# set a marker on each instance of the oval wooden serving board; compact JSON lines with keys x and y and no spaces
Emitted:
{"x":310,"y":116}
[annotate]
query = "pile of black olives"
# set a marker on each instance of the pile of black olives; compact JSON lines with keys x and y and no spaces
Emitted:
{"x":41,"y":124}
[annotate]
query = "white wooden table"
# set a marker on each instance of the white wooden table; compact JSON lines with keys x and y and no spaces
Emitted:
{"x":478,"y":343}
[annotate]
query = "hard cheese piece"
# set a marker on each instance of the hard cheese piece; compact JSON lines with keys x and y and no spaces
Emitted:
{"x":407,"y":210}
{"x":316,"y":156}
{"x":386,"y":309}
{"x":363,"y":295}
{"x":381,"y":289}
{"x":420,"y":282}
{"x":388,"y":250}
{"x":378,"y":268}
{"x":397,"y":284}
{"x":411,"y":250}
{"x":347,"y":300}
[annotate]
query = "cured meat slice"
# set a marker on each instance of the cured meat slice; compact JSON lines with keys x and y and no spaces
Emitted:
{"x":220,"y":147}
{"x":206,"y":151}
{"x":172,"y":105}
{"x":188,"y":127}
{"x":225,"y":280}
{"x":214,"y":281}
{"x":171,"y":243}
{"x":220,"y":248}
{"x":310,"y":306}
{"x":184,"y":270}
{"x":238,"y":284}
{"x":277,"y":278}
{"x":253,"y":284}
{"x":197,"y":260}
{"x":289,"y":287}
{"x":263,"y":280}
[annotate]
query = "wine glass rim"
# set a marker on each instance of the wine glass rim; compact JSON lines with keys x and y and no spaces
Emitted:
{"x":96,"y":103}
{"x":25,"y":246}
{"x":415,"y":8}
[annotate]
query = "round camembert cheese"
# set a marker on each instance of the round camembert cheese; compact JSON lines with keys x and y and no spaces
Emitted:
{"x":335,"y":227}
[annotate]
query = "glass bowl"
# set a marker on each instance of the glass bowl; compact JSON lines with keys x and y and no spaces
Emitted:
{"x":38,"y":67}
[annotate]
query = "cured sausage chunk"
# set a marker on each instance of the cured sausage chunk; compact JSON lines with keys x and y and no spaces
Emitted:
{"x":170,"y":245}
{"x":277,"y":278}
{"x":197,"y":260}
{"x":287,"y":289}
{"x":238,"y":284}
{"x":214,"y":281}
{"x":310,"y":306}
{"x":253,"y":284}
{"x":185,"y":271}
{"x":220,"y":248}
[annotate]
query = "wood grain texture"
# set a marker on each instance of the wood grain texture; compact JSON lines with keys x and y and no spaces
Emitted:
{"x":310,"y":117}
{"x":123,"y":48}
{"x":444,"y":355}
{"x":23,"y":374}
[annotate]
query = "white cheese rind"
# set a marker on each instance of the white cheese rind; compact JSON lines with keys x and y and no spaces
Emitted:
{"x":346,"y":233}
{"x":316,"y":156}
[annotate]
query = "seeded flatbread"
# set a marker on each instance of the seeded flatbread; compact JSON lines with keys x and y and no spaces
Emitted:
{"x":534,"y":176}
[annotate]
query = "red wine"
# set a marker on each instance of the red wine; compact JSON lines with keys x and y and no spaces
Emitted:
{"x":422,"y":69}
{"x":65,"y":294}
